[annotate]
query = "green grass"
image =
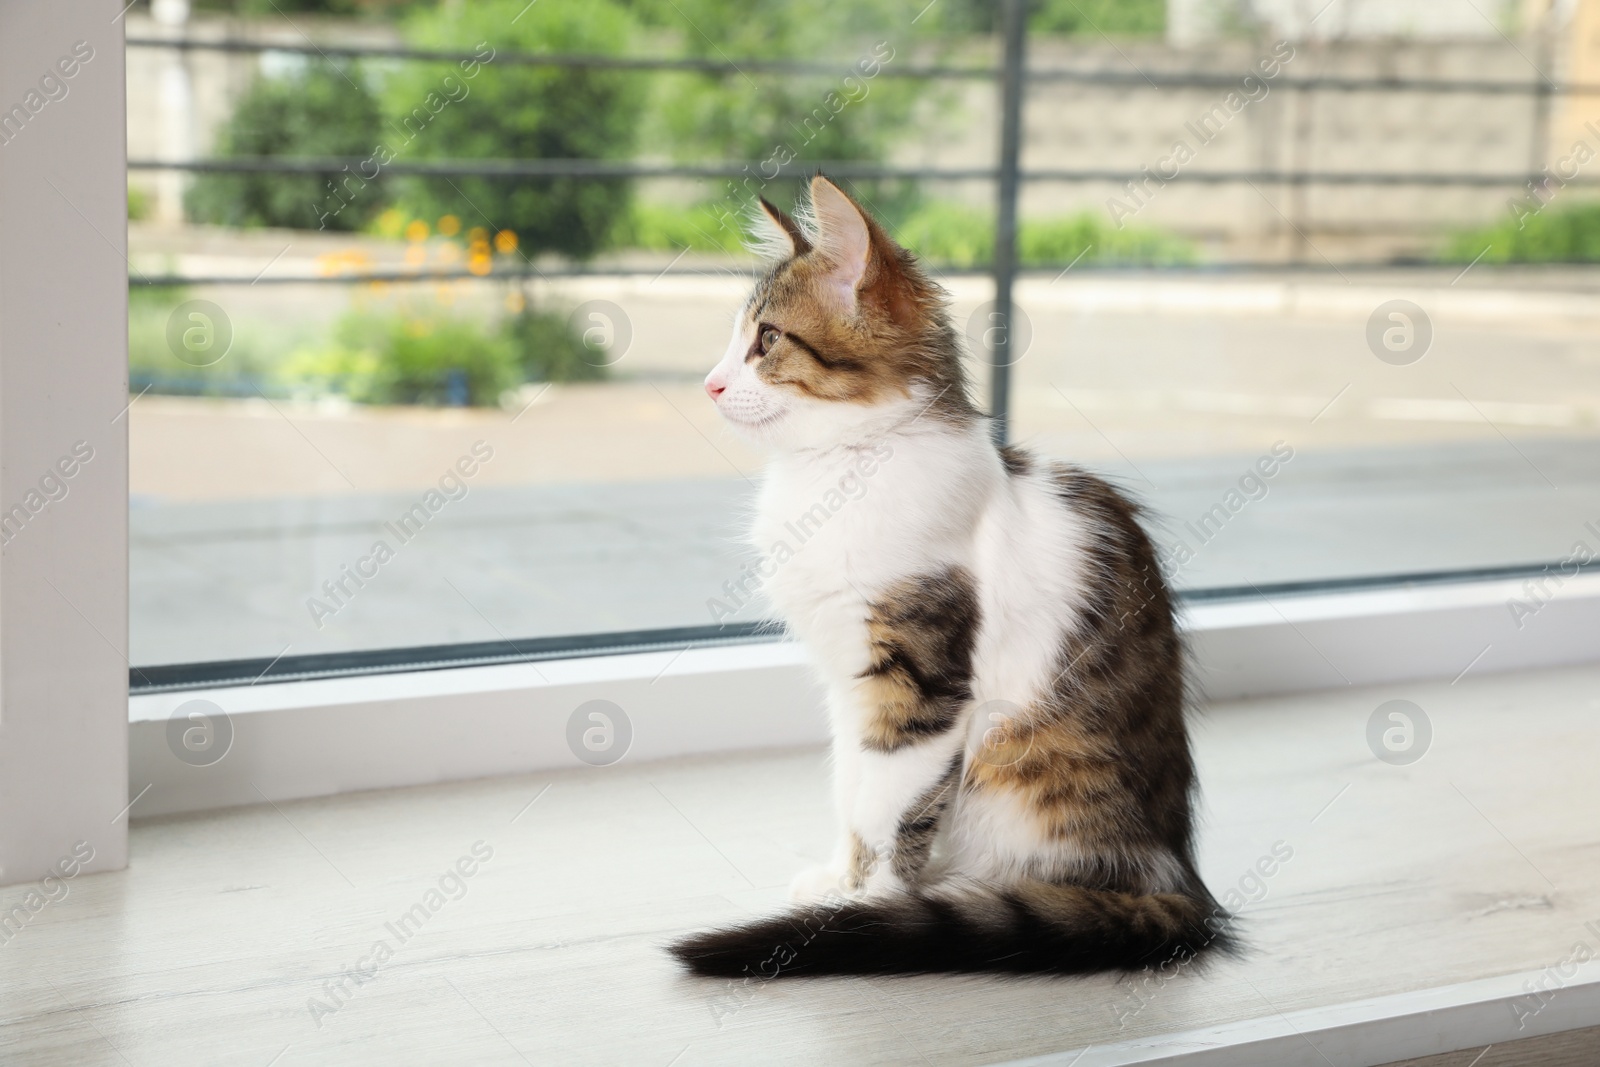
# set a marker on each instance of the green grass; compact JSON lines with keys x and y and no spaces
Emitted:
{"x":1116,"y":18}
{"x":952,"y":235}
{"x":942,"y":233}
{"x":1564,"y":234}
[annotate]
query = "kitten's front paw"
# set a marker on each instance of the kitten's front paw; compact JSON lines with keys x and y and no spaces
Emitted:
{"x":817,"y":883}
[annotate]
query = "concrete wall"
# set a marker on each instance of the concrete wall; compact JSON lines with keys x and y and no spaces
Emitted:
{"x":1192,"y":21}
{"x":1128,"y":127}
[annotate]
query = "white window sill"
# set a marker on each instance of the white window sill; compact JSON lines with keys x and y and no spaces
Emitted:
{"x":1370,"y":1033}
{"x":1420,"y":909}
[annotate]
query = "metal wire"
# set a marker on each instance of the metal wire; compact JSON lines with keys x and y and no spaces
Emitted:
{"x":742,"y":270}
{"x":1158,"y":80}
{"x":624,"y":169}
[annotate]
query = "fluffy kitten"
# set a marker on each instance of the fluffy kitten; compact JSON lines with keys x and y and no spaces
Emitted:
{"x":1005,"y":682}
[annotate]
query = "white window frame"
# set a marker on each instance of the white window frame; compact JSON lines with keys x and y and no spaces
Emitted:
{"x":63,"y":380}
{"x":309,"y":738}
{"x":1368,"y":1033}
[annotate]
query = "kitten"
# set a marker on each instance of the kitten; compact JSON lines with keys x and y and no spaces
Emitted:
{"x":1005,"y":683}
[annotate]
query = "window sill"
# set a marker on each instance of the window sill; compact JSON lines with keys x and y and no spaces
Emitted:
{"x":1425,"y":909}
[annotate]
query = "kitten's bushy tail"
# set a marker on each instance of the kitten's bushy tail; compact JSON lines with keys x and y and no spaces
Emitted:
{"x":1032,"y":928}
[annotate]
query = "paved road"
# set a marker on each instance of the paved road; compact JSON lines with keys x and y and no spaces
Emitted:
{"x":228,"y":579}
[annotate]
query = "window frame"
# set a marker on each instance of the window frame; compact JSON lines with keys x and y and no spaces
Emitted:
{"x":63,"y":396}
{"x":336,"y":734}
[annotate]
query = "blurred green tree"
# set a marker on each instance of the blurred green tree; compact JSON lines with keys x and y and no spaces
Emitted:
{"x":323,"y":110}
{"x":451,"y":111}
{"x":770,"y":119}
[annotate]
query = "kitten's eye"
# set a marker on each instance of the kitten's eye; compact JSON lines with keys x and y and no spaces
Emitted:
{"x":769,"y":337}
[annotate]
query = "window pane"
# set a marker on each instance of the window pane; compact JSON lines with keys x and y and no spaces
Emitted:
{"x":1274,"y":445}
{"x":573,"y":507}
{"x":417,"y":344}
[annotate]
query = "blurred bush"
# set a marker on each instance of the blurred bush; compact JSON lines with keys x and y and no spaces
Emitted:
{"x":1568,"y":234}
{"x":506,"y":112}
{"x":547,"y":349}
{"x":151,"y":361}
{"x":424,"y":356}
{"x":320,"y":111}
{"x":1057,"y":242}
{"x":951,"y":234}
{"x":958,"y":236}
{"x":675,"y":227}
{"x":1115,"y":18}
{"x":415,"y":358}
{"x":942,"y":233}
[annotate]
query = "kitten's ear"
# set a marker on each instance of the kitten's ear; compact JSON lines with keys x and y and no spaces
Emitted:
{"x":843,"y":236}
{"x":779,"y":235}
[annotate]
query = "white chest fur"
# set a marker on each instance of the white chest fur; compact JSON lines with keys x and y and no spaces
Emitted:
{"x":835,"y":528}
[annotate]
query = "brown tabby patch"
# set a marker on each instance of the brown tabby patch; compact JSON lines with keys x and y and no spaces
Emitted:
{"x":1082,"y":757}
{"x":1016,"y":460}
{"x":862,"y":862}
{"x":920,"y":824}
{"x":921,"y":633}
{"x":1091,"y":909}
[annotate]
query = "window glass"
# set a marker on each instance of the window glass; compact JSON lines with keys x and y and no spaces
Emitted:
{"x":417,"y":340}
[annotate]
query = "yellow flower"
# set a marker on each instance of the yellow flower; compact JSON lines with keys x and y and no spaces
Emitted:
{"x":449,"y":226}
{"x":391,"y":222}
{"x":416,"y":230}
{"x":505,"y":241}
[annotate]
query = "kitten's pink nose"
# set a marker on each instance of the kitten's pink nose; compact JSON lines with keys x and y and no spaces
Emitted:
{"x":715,"y":388}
